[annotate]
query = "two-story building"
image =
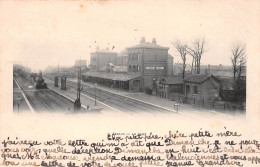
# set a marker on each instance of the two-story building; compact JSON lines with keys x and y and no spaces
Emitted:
{"x":151,"y":61}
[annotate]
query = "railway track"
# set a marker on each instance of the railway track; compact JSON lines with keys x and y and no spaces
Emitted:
{"x":117,"y":101}
{"x":44,"y":99}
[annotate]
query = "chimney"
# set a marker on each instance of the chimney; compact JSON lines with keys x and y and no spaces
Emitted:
{"x":154,"y":41}
{"x":209,"y":69}
{"x":97,"y":48}
{"x":142,"y":40}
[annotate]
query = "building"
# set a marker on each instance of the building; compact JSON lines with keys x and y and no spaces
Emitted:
{"x":113,"y":79}
{"x":101,"y":58}
{"x":122,"y":58}
{"x":151,"y":61}
{"x":201,"y":87}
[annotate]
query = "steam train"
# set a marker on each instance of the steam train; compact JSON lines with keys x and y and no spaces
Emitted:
{"x":40,"y":84}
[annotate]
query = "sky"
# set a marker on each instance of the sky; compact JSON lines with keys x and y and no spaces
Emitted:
{"x":42,"y":33}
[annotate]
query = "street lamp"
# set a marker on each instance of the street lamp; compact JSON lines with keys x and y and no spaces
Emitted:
{"x":18,"y":100}
{"x":95,"y":94}
{"x":176,"y":106}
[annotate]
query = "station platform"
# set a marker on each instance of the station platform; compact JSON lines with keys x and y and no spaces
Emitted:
{"x":185,"y":110}
{"x":87,"y":102}
{"x":17,"y":94}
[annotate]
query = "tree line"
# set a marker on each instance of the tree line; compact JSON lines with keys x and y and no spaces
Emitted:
{"x":198,"y":48}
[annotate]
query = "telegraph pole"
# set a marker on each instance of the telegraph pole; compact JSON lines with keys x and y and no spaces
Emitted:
{"x":77,"y":103}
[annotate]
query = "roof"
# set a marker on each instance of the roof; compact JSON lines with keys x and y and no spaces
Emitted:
{"x":112,"y":76}
{"x":174,"y":80}
{"x":123,"y":53}
{"x":198,"y":78}
{"x":114,"y":68}
{"x":148,"y":45}
{"x":120,"y":68}
{"x":104,"y":51}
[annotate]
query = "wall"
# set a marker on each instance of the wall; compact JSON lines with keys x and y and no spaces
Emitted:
{"x":206,"y":90}
{"x":153,"y":63}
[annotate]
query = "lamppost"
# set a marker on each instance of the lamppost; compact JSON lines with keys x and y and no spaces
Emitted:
{"x":114,"y":81}
{"x":18,"y":100}
{"x":95,"y":94}
{"x":176,"y":106}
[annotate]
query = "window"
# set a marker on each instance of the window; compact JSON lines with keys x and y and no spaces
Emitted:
{"x":129,"y":68}
{"x":133,"y":68}
{"x":150,"y":68}
{"x":195,"y":89}
{"x":138,"y":68}
{"x":138,"y":56}
{"x":134,"y":56}
{"x":187,"y":88}
{"x":159,"y":68}
{"x":129,"y":56}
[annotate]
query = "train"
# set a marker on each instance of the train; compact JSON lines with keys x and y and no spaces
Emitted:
{"x":40,"y":84}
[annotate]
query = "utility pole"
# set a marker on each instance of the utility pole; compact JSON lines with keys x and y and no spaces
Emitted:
{"x":77,"y":103}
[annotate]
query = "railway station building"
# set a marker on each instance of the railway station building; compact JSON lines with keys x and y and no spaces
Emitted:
{"x":151,"y":61}
{"x":146,"y":65}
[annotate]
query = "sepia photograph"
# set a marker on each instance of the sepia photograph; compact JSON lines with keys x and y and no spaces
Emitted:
{"x":145,"y":62}
{"x":140,"y":83}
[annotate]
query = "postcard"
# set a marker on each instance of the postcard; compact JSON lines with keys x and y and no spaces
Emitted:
{"x":129,"y":83}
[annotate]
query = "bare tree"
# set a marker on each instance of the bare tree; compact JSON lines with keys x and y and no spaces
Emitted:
{"x":238,"y":59}
{"x":196,"y":52}
{"x":182,"y":49}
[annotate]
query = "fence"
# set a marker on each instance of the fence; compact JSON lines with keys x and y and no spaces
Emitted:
{"x":216,"y":105}
{"x":220,"y":106}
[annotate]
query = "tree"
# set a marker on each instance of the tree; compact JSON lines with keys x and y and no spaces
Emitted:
{"x":196,"y":52}
{"x":238,"y":59}
{"x":182,"y":49}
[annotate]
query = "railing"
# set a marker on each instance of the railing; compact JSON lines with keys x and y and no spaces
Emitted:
{"x":221,"y":106}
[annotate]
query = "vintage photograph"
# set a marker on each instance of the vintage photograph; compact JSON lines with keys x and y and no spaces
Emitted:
{"x":140,"y":83}
{"x":146,"y":62}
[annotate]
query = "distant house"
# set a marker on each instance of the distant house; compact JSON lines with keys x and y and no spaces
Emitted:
{"x":100,"y":58}
{"x":200,"y":86}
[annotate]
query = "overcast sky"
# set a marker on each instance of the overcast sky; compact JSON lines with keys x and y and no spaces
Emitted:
{"x":41,"y":33}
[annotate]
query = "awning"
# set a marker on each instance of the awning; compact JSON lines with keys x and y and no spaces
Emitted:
{"x":112,"y":76}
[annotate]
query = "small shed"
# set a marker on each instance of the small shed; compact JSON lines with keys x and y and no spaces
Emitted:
{"x":200,"y":86}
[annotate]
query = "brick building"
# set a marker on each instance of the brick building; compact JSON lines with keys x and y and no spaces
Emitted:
{"x":101,"y":58}
{"x":151,"y":61}
{"x":201,"y":86}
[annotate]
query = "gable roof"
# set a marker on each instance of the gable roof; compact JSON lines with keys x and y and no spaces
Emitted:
{"x":148,"y":45}
{"x":198,"y":78}
{"x":173,"y":80}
